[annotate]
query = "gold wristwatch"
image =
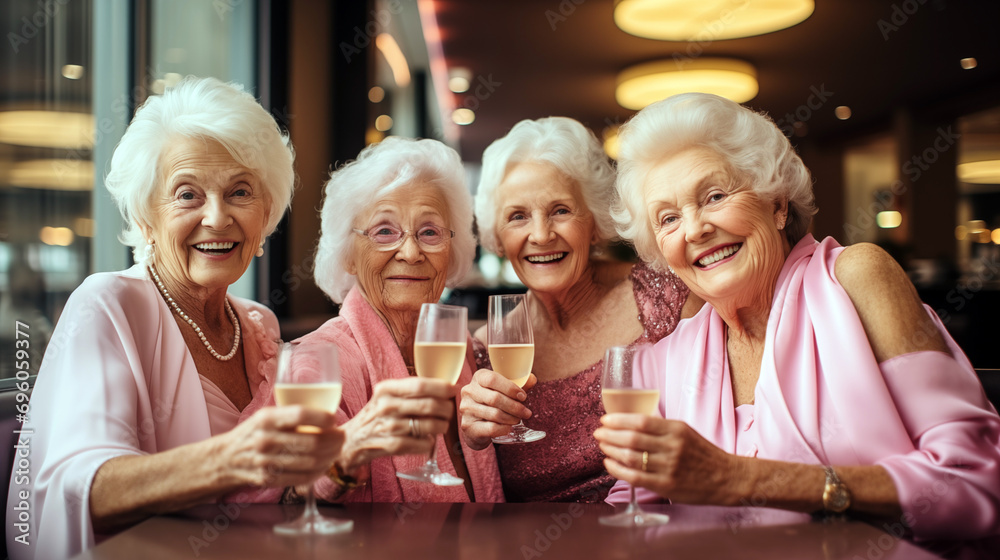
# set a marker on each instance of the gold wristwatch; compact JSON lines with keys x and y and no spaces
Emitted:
{"x":836,"y":496}
{"x":341,"y":479}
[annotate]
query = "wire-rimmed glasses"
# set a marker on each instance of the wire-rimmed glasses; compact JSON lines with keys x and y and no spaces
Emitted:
{"x":388,"y":236}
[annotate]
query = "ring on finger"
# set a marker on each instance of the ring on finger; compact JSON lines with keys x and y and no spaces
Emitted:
{"x":414,"y":432}
{"x":645,"y":460}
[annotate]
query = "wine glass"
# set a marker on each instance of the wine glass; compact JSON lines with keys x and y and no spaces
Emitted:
{"x":438,"y":353}
{"x":622,"y":391}
{"x":309,"y":375}
{"x":511,"y":345}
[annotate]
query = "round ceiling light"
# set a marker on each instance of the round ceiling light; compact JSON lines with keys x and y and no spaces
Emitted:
{"x":650,"y":82}
{"x":708,"y":20}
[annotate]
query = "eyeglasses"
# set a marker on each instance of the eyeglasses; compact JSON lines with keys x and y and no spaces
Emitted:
{"x":387,"y":237}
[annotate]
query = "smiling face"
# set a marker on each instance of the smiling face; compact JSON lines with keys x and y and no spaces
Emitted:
{"x":403,"y":278}
{"x":719,"y":237}
{"x":544,"y":226}
{"x":208,"y":216}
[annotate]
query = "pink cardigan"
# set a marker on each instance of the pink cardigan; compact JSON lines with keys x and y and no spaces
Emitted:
{"x":368,"y":355}
{"x":118,"y":379}
{"x":821,"y":398}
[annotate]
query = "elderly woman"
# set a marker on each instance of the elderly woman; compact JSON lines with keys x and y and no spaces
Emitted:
{"x":397,"y":228}
{"x":543,"y":203}
{"x":151,"y":396}
{"x":814,"y":380}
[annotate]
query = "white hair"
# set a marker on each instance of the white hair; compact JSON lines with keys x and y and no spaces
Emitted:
{"x":197,"y":108}
{"x":756,"y":152}
{"x":380,"y":169}
{"x":561,"y":142}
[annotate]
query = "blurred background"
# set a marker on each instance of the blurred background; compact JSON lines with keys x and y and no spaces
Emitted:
{"x":893,"y":105}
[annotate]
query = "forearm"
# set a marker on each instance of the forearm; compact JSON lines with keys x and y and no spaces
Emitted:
{"x":799,"y":487}
{"x":130,"y":488}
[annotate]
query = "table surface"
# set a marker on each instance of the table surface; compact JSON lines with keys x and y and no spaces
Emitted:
{"x":495,"y":531}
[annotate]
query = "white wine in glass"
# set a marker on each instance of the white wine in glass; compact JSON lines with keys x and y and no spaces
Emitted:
{"x":438,"y":353}
{"x":309,"y":375}
{"x":511,"y":345}
{"x":622,"y":392}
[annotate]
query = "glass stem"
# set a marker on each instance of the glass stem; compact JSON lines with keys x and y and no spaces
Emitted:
{"x":432,"y":458}
{"x":311,"y":512}
{"x":633,"y":504}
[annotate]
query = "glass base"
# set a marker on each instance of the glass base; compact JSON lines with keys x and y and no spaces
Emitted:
{"x":430,"y":472}
{"x":634,"y":518}
{"x":314,"y":525}
{"x":520,"y":434}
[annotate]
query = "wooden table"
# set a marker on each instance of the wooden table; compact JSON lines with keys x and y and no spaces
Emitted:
{"x":501,"y":531}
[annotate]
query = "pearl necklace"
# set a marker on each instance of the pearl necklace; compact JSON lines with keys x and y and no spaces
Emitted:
{"x":197,"y":329}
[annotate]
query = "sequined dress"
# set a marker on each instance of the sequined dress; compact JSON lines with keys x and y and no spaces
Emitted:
{"x":567,"y":465}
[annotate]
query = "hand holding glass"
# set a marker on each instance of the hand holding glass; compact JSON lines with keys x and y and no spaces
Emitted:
{"x":309,"y":375}
{"x":622,"y":392}
{"x":438,"y":353}
{"x":511,"y":345}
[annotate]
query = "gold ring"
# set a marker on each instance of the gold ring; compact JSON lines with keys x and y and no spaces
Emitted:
{"x":645,"y":460}
{"x":413,"y":428}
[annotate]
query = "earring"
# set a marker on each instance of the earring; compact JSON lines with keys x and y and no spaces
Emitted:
{"x":260,"y":250}
{"x":148,"y":251}
{"x":781,"y":222}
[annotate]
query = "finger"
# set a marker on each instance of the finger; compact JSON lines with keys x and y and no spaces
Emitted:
{"x":288,"y":418}
{"x":400,"y":445}
{"x":489,"y":379}
{"x":631,"y":458}
{"x":629,"y":439}
{"x":484,"y":430}
{"x":481,"y":412}
{"x":415,"y":407}
{"x":416,"y":387}
{"x":530,"y":382}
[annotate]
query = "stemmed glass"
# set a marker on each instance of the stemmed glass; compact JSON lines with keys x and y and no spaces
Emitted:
{"x":438,"y":353}
{"x":309,"y":375}
{"x":622,"y":391}
{"x":511,"y":345}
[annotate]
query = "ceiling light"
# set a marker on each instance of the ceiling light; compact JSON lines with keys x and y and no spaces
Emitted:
{"x":843,"y":112}
{"x":55,"y":174}
{"x":376,"y":94}
{"x":61,"y":236}
{"x":459,"y":80}
{"x":47,"y":129}
{"x":961,"y":232}
{"x":647,"y":83}
{"x":394,"y":56}
{"x":708,"y":20}
{"x":84,"y":227}
{"x":383,"y":123}
{"x":889,"y":219}
{"x":463,"y":116}
{"x":72,"y":71}
{"x":980,"y":172}
{"x":968,"y":63}
{"x":996,"y":236}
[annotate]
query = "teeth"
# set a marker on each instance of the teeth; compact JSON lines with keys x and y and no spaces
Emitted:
{"x":215,"y":246}
{"x":718,"y":255}
{"x":546,"y":258}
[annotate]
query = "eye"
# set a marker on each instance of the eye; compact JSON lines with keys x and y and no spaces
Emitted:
{"x":186,"y":195}
{"x":241,"y":192}
{"x":517,"y":216}
{"x":562,"y":211}
{"x":429,"y":232}
{"x":716,"y":196}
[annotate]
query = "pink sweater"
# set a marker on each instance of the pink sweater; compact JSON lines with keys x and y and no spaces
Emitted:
{"x":821,"y":398}
{"x":368,"y":355}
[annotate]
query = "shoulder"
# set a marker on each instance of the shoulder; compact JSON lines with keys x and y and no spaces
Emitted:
{"x":886,"y":302}
{"x":111,"y":292}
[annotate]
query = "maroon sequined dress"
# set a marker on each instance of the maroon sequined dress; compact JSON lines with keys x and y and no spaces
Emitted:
{"x":567,"y":465}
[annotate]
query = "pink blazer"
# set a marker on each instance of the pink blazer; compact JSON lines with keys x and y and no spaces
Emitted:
{"x":821,"y":398}
{"x":368,"y":355}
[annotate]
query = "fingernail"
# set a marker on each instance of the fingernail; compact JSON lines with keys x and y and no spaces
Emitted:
{"x":521,"y":395}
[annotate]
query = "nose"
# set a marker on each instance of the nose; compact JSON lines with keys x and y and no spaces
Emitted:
{"x":541,"y":232}
{"x":695,"y":227}
{"x":217,"y":214}
{"x":409,"y":251}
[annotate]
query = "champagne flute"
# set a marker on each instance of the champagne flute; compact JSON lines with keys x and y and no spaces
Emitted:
{"x":309,"y":375}
{"x":622,"y":391}
{"x":511,"y":345}
{"x":438,"y":353}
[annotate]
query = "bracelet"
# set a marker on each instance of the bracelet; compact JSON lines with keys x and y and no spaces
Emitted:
{"x":340,"y":479}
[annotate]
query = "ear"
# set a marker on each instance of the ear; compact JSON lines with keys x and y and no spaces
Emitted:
{"x":147,"y":231}
{"x":781,"y":212}
{"x":349,"y":264}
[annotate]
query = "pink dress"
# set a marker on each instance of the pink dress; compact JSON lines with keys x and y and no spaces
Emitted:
{"x":821,"y":398}
{"x":567,"y":466}
{"x":118,"y":379}
{"x":368,"y":355}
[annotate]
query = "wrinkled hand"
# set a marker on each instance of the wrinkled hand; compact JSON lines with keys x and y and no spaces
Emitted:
{"x":268,"y":449}
{"x":383,"y":426}
{"x":491,"y":404}
{"x":682,"y":465}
